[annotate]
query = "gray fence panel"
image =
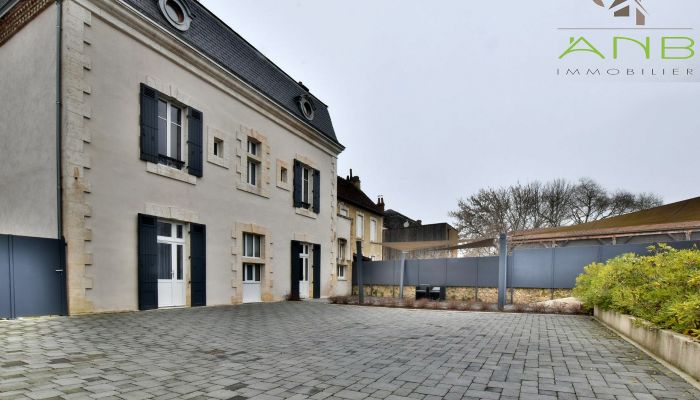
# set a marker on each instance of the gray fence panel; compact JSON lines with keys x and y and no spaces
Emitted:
{"x":569,"y":263}
{"x":611,"y":251}
{"x":380,"y":272}
{"x":532,"y":268}
{"x":412,"y":273}
{"x":461,"y":272}
{"x":432,"y":272}
{"x":487,"y":275}
{"x":5,"y":294}
{"x":38,"y":283}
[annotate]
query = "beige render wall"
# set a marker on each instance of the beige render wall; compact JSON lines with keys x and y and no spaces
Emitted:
{"x":28,"y":129}
{"x":120,"y":186}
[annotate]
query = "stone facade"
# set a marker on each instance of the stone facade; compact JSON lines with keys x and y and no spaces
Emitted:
{"x":109,"y":51}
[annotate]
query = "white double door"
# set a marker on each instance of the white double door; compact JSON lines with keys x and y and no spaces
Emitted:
{"x":171,"y":274}
{"x":304,"y":282}
{"x":252,"y":287}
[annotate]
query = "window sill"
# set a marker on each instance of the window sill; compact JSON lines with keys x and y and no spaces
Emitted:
{"x":342,"y":279}
{"x":172,"y":173}
{"x":256,"y":190}
{"x":220,"y":161}
{"x":306,"y":213}
{"x":252,"y":260}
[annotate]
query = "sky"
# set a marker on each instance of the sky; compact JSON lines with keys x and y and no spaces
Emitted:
{"x":437,"y":99}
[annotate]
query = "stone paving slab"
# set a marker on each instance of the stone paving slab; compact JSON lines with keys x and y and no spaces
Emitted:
{"x":320,"y":351}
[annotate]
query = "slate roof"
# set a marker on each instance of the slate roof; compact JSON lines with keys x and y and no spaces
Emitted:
{"x":676,"y":216}
{"x":347,"y":192}
{"x":3,"y":4}
{"x":211,"y":36}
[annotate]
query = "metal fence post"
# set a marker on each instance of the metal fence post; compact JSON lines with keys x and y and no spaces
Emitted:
{"x":502,"y":270}
{"x":360,"y":283}
{"x":402,"y":265}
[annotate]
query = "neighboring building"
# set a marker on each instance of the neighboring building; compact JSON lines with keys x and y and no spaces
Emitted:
{"x":439,"y":240}
{"x":396,"y":220}
{"x":193,"y":171}
{"x":668,"y":223}
{"x":366,"y":220}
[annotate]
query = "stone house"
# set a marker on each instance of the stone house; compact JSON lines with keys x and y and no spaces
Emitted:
{"x":181,"y":166}
{"x":359,"y":219}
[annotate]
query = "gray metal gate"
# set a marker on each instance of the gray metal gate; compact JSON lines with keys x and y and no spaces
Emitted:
{"x":32,"y":277}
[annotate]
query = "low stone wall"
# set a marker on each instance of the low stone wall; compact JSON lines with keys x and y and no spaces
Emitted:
{"x":678,"y":350}
{"x":471,"y":294}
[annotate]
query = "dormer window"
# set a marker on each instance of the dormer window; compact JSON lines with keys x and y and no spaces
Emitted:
{"x":177,"y":13}
{"x":307,"y":107}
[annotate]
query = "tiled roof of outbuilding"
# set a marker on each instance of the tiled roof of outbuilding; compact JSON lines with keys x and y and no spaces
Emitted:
{"x":347,"y":192}
{"x":211,"y":36}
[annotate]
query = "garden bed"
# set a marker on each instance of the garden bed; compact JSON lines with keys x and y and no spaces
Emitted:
{"x":559,"y":306}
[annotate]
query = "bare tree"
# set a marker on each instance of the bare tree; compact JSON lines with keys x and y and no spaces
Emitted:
{"x":536,"y":205}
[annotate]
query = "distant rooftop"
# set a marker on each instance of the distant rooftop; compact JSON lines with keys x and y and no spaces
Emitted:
{"x":670,"y":217}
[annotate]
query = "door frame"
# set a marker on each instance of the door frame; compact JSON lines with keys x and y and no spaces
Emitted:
{"x":175,"y":242}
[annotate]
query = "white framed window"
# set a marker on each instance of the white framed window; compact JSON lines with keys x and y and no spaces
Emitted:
{"x":342,"y":249}
{"x":304,"y":255}
{"x":360,"y":226}
{"x":171,"y":242}
{"x":252,"y":176}
{"x":253,"y":147}
{"x":372,"y":230}
{"x":251,"y":273}
{"x":253,"y":165}
{"x":252,"y":245}
{"x":170,"y":132}
{"x":218,"y":147}
{"x":341,"y":269}
{"x":344,"y":211}
{"x":307,"y":187}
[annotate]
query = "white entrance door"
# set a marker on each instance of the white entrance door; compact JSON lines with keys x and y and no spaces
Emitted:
{"x":252,"y":288}
{"x":304,"y":282}
{"x":171,"y":279}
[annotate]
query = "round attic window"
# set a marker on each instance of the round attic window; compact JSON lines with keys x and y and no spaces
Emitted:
{"x":307,"y":107}
{"x":177,"y":13}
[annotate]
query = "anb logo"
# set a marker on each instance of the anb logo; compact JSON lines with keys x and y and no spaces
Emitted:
{"x":625,"y":9}
{"x":617,"y":42}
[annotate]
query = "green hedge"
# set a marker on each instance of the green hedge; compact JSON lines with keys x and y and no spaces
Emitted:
{"x":662,"y":288}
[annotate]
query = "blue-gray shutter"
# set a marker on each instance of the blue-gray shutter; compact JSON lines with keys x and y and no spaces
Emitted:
{"x":297,"y":183}
{"x":317,"y":191}
{"x":296,"y":267}
{"x":149,"y":124}
{"x":147,"y":262}
{"x":195,"y":143}
{"x":317,"y":271}
{"x":198,"y":264}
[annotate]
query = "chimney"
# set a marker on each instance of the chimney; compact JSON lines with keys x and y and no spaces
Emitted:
{"x":380,"y":202}
{"x":355,"y":180}
{"x":419,"y":222}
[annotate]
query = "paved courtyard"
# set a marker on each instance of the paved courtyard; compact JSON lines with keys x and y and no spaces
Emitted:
{"x":321,"y":351}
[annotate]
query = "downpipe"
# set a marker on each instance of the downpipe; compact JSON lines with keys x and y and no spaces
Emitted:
{"x":59,"y":118}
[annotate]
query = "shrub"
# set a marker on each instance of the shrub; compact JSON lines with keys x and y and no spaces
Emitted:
{"x":422,"y":303}
{"x":409,"y":302}
{"x":453,"y":304}
{"x":662,"y":288}
{"x":478,"y":306}
{"x":339,"y":299}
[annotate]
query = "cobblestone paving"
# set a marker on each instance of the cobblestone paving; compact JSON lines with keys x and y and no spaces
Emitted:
{"x":321,"y":351}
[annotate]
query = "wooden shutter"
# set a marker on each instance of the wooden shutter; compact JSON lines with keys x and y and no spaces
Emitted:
{"x":149,"y":124}
{"x":296,"y":267}
{"x":317,"y":271}
{"x":147,"y":262}
{"x":195,"y":142}
{"x":317,"y":191}
{"x":298,"y":178}
{"x":198,"y":265}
